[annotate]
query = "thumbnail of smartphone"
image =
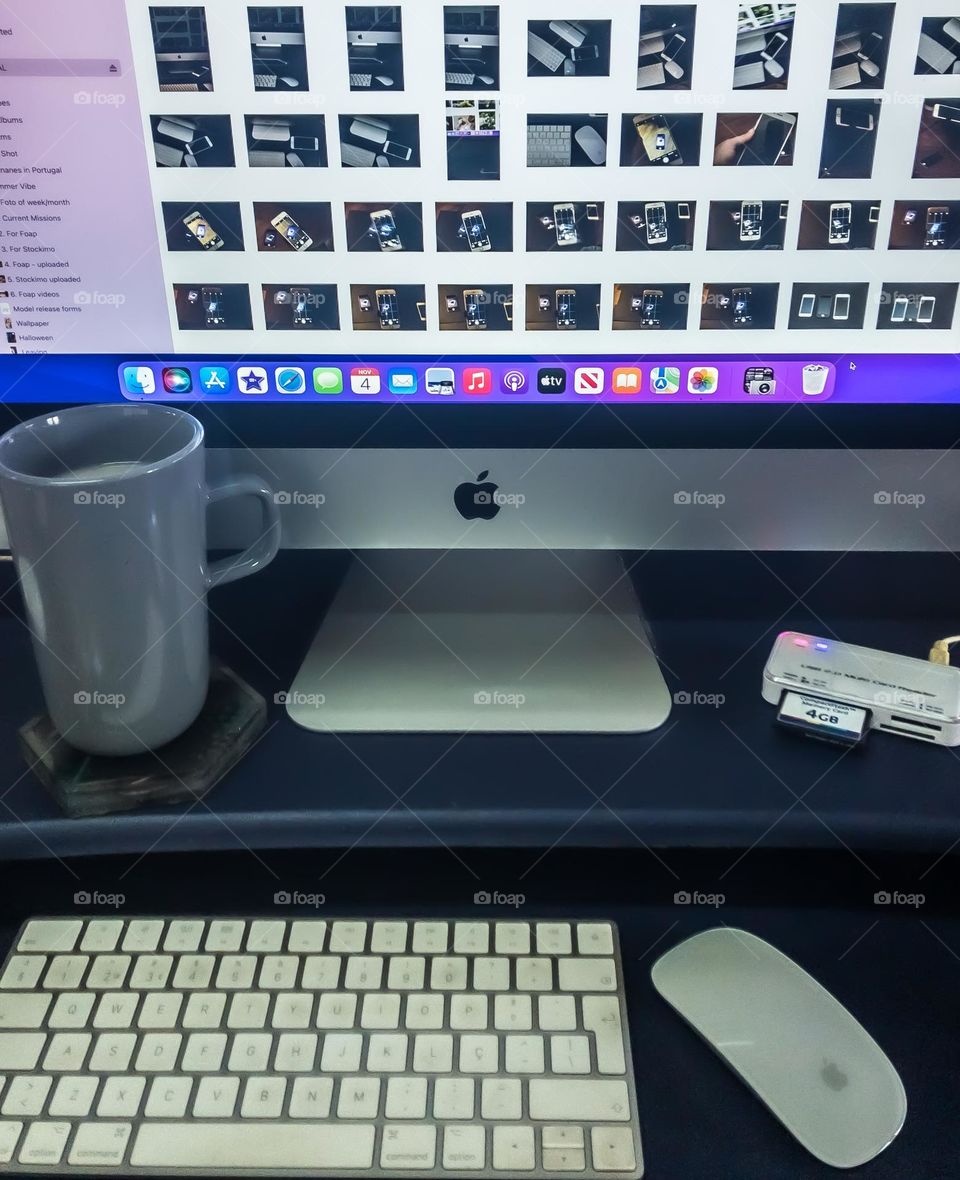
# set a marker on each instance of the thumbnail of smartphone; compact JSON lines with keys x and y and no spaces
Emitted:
{"x":300,"y":302}
{"x":925,"y":309}
{"x":213,"y":305}
{"x":808,"y":302}
{"x":384,"y":226}
{"x":942,"y":110}
{"x":202,"y":230}
{"x":291,"y":233}
{"x":565,"y":222}
{"x":841,"y":306}
{"x":839,"y":230}
{"x":657,"y":139}
{"x":566,"y":304}
{"x":655,"y":216}
{"x":387,"y":308}
{"x":397,"y":150}
{"x":478,"y":238}
{"x":197,"y":146}
{"x":751,"y":221}
{"x":936,"y":230}
{"x":593,"y":212}
{"x":683,"y":210}
{"x":771,"y":136}
{"x":650,"y":308}
{"x":473,"y":309}
{"x":304,"y":143}
{"x":898,"y":312}
{"x":742,"y":311}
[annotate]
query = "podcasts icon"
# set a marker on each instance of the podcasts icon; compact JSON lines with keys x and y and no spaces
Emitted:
{"x":514,"y":381}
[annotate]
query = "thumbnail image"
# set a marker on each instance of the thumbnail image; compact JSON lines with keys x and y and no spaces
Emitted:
{"x":939,"y":48}
{"x":641,"y":308}
{"x":656,"y":225}
{"x":181,"y":48}
{"x":921,"y":226}
{"x":566,"y":141}
{"x":388,"y":308}
{"x":764,"y":46}
{"x":938,"y":144}
{"x":754,"y":139}
{"x":552,"y":308}
{"x":374,"y":47}
{"x":665,"y":50}
{"x":828,"y":305}
{"x":209,"y":309}
{"x":192,"y":141}
{"x":564,"y":225}
{"x":742,"y":307}
{"x":907,"y":306}
{"x":278,"y":48}
{"x":299,"y":226}
{"x":200,"y":226}
{"x":475,"y":309}
{"x":471,"y":228}
{"x":473,"y":138}
{"x":747,"y":225}
{"x":300,"y":307}
{"x":380,"y":141}
{"x":849,"y":137}
{"x":861,"y":46}
{"x":471,"y":46}
{"x":647,"y":139}
{"x":375,"y":228}
{"x":568,"y":48}
{"x":286,"y":141}
{"x":838,"y":225}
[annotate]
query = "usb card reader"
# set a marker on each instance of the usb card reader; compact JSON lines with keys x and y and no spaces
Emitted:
{"x":838,"y":692}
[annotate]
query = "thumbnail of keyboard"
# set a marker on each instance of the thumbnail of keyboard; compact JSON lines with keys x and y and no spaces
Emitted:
{"x":203,"y":1046}
{"x":549,"y":145}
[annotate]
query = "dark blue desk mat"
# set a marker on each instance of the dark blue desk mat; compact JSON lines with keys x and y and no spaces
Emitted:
{"x":714,"y":777}
{"x":895,"y":967}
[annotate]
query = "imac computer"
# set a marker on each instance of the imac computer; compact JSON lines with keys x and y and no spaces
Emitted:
{"x":492,"y":298}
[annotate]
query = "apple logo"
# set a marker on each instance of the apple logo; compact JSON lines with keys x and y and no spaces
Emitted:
{"x":477,"y":501}
{"x":833,"y":1076}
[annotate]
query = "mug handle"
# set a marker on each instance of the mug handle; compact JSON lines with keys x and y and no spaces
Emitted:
{"x":264,"y":549}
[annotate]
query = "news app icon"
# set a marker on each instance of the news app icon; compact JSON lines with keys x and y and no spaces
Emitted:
{"x":665,"y":379}
{"x":589,"y":382}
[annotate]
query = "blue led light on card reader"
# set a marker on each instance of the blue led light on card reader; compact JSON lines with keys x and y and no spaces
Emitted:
{"x":822,"y":646}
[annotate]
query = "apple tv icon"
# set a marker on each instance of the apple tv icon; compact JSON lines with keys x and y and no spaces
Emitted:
{"x":552,"y":380}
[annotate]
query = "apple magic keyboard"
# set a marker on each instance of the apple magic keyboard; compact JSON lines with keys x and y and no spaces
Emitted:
{"x":275,"y":1047}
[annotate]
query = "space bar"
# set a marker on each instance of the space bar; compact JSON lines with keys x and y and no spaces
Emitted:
{"x":275,"y":1146}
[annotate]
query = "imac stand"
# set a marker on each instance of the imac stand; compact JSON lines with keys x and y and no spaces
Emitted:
{"x":487,"y":640}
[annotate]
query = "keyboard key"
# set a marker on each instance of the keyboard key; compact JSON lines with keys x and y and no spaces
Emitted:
{"x":553,"y":938}
{"x":491,"y":975}
{"x":204,"y":1010}
{"x":50,"y":934}
{"x":601,"y":1016}
{"x":248,"y":1010}
{"x":364,"y":973}
{"x":406,"y":1098}
{"x":564,"y":1136}
{"x":71,"y":1010}
{"x":523,"y":1054}
{"x":387,"y":1053}
{"x":469,"y":1012}
{"x":311,"y":1098}
{"x":194,"y":972}
{"x":570,"y":1054}
{"x":557,"y":1013}
{"x":121,"y":1097}
{"x":587,"y":975}
{"x":44,"y":1143}
{"x":250,"y":1053}
{"x":23,"y":971}
{"x":471,"y":938}
{"x":453,"y":1098}
{"x":320,"y":973}
{"x":448,"y":974}
{"x":73,"y":1097}
{"x":225,"y":936}
{"x":406,"y":973}
{"x":236,"y":972}
{"x":595,"y":938}
{"x":424,"y":1011}
{"x":168,"y":1098}
{"x":479,"y":1054}
{"x":158,"y":1053}
{"x":18,"y":1010}
{"x":409,"y":1148}
{"x":579,"y":1100}
{"x":266,"y":937}
{"x":263,"y":1098}
{"x":99,"y":1145}
{"x":534,"y":975}
{"x":513,"y":1149}
{"x":112,"y":1052}
{"x":307,"y":937}
{"x":151,"y":971}
{"x":142,"y":935}
{"x":292,"y":1010}
{"x":25,"y":1096}
{"x":501,"y":1098}
{"x":65,"y":1053}
{"x":613,"y":1149}
{"x":348,"y":937}
{"x":512,"y":938}
{"x":337,"y":1010}
{"x":433,"y":1053}
{"x":341,"y":1052}
{"x":359,"y":1098}
{"x":108,"y":972}
{"x":430,"y":938}
{"x":9,"y":1135}
{"x":65,"y":972}
{"x":464,"y":1148}
{"x":388,"y":938}
{"x":255,"y":1145}
{"x":183,"y":936}
{"x":296,"y":1053}
{"x":116,"y":1010}
{"x":101,"y":937}
{"x":380,"y":1011}
{"x":216,"y":1098}
{"x":512,"y":1013}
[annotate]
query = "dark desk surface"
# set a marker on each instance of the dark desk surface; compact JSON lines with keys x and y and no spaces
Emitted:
{"x":714,"y":777}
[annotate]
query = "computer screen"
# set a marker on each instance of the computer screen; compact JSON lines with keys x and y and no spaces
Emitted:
{"x":642,"y":203}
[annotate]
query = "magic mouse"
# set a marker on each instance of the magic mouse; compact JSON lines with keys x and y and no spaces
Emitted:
{"x":800,"y":1051}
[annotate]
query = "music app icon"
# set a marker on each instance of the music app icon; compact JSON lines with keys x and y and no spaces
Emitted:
{"x":477,"y":381}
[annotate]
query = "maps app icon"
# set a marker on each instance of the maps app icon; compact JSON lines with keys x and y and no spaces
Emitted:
{"x":665,"y":379}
